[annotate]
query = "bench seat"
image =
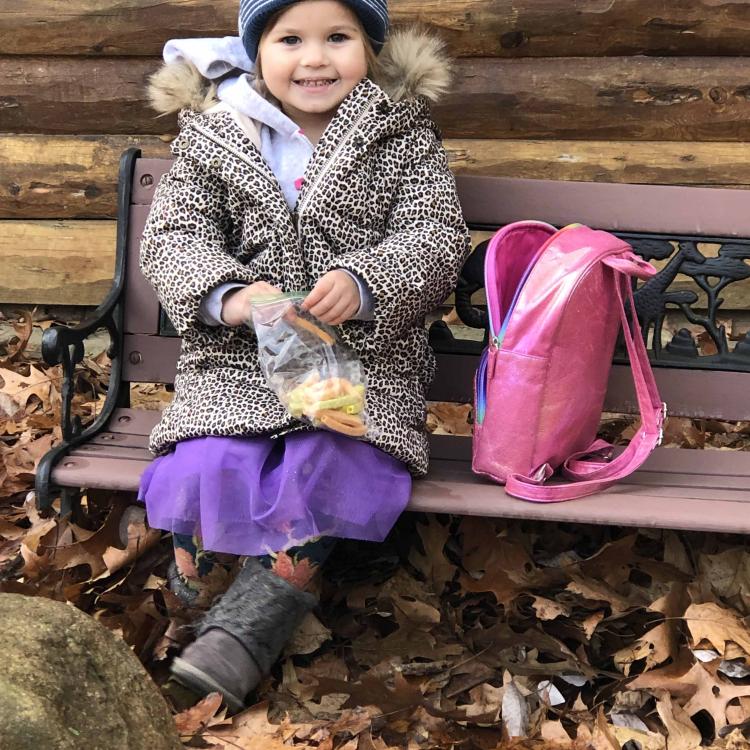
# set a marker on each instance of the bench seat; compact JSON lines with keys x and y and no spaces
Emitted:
{"x":676,"y":488}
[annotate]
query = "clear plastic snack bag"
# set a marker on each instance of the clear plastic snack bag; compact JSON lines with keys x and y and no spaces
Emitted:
{"x":317,"y":378}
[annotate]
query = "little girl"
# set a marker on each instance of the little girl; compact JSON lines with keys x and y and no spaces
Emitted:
{"x":293,"y":170}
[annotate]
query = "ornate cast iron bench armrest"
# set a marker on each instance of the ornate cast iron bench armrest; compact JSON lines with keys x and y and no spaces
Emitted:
{"x":64,"y":345}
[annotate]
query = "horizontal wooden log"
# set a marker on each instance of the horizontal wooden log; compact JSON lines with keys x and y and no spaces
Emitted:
{"x":704,"y":99}
{"x":56,"y":262}
{"x":71,"y":263}
{"x":650,"y":162}
{"x":69,"y":177}
{"x":545,"y":28}
{"x":65,"y":177}
{"x":671,"y":99}
{"x":77,"y":95}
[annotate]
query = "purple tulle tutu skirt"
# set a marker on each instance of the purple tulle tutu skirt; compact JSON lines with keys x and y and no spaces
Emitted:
{"x":255,"y":495}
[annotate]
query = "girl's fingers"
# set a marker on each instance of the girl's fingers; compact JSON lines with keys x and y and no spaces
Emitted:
{"x":346,"y":311}
{"x":324,"y":307}
{"x":338,"y":313}
{"x":319,"y":292}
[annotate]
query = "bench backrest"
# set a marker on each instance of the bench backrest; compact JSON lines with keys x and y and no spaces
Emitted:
{"x":653,"y":218}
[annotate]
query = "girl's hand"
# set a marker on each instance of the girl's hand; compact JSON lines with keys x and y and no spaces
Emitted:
{"x":235,"y":310}
{"x":334,"y":299}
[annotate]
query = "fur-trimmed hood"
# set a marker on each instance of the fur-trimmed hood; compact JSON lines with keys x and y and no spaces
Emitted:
{"x":413,"y":63}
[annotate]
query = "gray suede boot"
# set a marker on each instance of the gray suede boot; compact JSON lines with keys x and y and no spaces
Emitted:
{"x":242,"y":635}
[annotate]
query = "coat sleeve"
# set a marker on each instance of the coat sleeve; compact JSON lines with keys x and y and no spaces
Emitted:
{"x":416,"y":266}
{"x":183,"y":250}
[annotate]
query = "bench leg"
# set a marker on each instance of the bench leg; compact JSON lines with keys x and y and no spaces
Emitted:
{"x":70,"y":504}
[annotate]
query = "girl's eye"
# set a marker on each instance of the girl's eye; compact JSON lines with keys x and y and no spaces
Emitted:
{"x":337,"y":38}
{"x":289,"y":40}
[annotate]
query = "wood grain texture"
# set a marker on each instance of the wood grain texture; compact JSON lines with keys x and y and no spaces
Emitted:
{"x":75,"y":177}
{"x":671,"y":99}
{"x":542,"y":28}
{"x":650,"y":162}
{"x":56,"y":262}
{"x":71,"y":263}
{"x":639,"y":98}
{"x":65,"y":177}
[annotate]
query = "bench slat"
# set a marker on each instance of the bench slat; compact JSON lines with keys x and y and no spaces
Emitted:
{"x":676,"y":488}
{"x":452,"y":488}
{"x":133,"y":421}
{"x":93,"y":450}
{"x":122,"y":472}
{"x":661,"y":209}
{"x":698,"y":394}
{"x":149,"y":359}
{"x":141,"y":304}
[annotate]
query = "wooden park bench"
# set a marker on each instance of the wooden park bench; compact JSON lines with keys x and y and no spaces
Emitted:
{"x":677,"y":488}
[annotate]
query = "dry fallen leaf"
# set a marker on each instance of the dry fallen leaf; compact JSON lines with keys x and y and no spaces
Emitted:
{"x":204,"y":714}
{"x":682,"y":734}
{"x":716,"y":625}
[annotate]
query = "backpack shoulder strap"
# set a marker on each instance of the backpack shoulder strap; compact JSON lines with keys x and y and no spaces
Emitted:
{"x":591,"y":476}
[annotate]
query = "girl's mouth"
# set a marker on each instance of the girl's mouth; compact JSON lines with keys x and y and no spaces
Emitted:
{"x":315,"y":83}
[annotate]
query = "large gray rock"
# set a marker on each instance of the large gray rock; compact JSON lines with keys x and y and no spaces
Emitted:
{"x":67,"y":683}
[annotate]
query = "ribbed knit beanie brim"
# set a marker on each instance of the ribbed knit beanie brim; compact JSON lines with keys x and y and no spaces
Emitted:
{"x":254,"y":15}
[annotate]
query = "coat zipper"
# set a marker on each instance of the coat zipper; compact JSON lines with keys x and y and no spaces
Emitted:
{"x":242,"y":157}
{"x":326,"y":167}
{"x":297,"y":215}
{"x":245,"y":160}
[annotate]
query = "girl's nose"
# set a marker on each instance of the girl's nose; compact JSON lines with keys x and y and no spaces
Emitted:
{"x":314,"y":55}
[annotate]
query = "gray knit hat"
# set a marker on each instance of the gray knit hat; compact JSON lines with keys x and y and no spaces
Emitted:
{"x":255,"y":13}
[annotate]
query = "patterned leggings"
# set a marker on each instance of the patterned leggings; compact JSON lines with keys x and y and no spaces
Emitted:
{"x":194,"y":566}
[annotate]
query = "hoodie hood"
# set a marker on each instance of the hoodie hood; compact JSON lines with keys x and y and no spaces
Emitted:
{"x":413,"y":64}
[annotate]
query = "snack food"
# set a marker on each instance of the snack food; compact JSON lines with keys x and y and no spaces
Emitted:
{"x":309,"y":326}
{"x":334,"y":402}
{"x":317,"y":378}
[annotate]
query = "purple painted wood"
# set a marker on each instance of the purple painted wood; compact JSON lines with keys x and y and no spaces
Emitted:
{"x":680,"y":489}
{"x":621,"y":207}
{"x":498,"y":200}
{"x":133,"y":421}
{"x":100,"y":450}
{"x":676,"y":467}
{"x":82,"y":469}
{"x":141,"y":304}
{"x":150,"y":359}
{"x":117,"y":440}
{"x":451,"y":488}
{"x":688,"y":393}
{"x":146,"y":177}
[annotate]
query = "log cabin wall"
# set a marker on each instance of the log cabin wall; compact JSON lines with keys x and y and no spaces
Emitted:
{"x":604,"y":90}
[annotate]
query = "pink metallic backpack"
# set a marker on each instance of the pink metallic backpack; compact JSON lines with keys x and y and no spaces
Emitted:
{"x":556,"y":302}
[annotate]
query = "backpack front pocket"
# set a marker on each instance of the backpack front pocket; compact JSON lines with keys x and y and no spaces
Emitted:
{"x":511,"y":385}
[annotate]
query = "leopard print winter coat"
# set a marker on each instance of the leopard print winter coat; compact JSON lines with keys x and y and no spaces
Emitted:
{"x":378,"y":199}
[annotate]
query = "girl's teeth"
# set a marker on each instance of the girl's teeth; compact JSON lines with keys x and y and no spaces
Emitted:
{"x":316,"y":83}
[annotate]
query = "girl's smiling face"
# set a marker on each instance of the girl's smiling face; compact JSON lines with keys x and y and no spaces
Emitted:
{"x":312,"y":57}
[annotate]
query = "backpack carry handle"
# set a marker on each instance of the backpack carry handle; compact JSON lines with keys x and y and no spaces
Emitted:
{"x":591,"y":476}
{"x":630,"y":264}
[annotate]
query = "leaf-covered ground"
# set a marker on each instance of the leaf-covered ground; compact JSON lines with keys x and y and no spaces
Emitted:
{"x":455,"y":633}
